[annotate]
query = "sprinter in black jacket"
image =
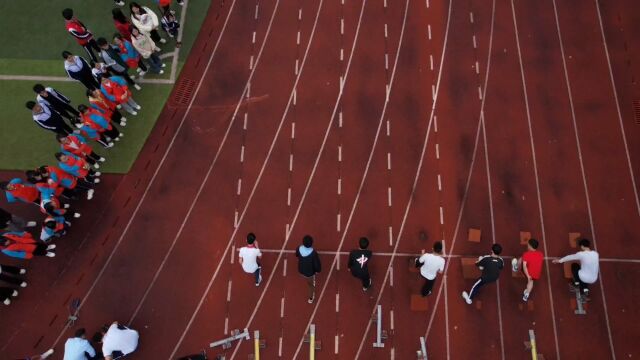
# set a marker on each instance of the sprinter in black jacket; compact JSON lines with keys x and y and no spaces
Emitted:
{"x":308,"y":264}
{"x":359,"y":263}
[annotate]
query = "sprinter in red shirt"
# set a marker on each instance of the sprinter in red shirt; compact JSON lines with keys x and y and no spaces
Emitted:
{"x":531,"y":265}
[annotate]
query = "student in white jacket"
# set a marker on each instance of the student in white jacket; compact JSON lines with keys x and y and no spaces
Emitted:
{"x":147,"y":49}
{"x":586,"y":271}
{"x":146,"y":21}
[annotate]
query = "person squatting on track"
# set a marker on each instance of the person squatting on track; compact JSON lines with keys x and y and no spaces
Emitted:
{"x":430,"y":265}
{"x":490,"y":265}
{"x":585,"y":271}
{"x":531,"y":265}
{"x":117,"y":340}
{"x":359,"y":263}
{"x":248,"y":257}
{"x":308,"y":264}
{"x":78,"y":347}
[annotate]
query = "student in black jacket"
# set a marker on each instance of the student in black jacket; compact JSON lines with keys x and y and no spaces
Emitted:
{"x":359,"y":263}
{"x":308,"y":264}
{"x":490,"y":265}
{"x":55,"y":100}
{"x":48,"y":118}
{"x":79,"y":69}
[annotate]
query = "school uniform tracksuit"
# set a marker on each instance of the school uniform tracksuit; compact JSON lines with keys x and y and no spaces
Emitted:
{"x":80,"y":70}
{"x":83,"y":36}
{"x":58,"y":102}
{"x":49,"y":119}
{"x":115,"y":64}
{"x":23,"y":192}
{"x":22,"y":245}
{"x":491,"y":267}
{"x":308,"y":266}
{"x":78,"y":146}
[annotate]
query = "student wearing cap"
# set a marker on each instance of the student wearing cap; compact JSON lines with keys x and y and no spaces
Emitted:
{"x":358,"y":263}
{"x":490,"y":265}
{"x":55,"y":100}
{"x":308,"y":264}
{"x":248,"y":257}
{"x":531,"y":264}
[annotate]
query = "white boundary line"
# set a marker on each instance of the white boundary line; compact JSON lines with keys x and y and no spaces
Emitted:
{"x":417,"y":175}
{"x":615,"y":96}
{"x":537,"y":178}
{"x":471,"y":166}
{"x":153,"y":177}
{"x":388,"y":89}
{"x":450,"y":256}
{"x":493,"y":228}
{"x":584,"y":177}
{"x":206,"y":177}
{"x":257,"y":182}
{"x":317,"y":161}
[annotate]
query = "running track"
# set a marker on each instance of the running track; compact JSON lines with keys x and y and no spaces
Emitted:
{"x":384,"y":119}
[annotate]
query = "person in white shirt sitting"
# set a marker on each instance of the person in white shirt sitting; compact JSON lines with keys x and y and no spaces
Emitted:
{"x":249,"y":255}
{"x":117,"y":340}
{"x":586,"y":271}
{"x":78,"y":347}
{"x":430,"y":265}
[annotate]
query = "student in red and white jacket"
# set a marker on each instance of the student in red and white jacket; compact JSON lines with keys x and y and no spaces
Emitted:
{"x":77,"y":145}
{"x":116,"y":90}
{"x":98,"y":101}
{"x":79,"y":31}
{"x":22,"y":245}
{"x":77,"y":167}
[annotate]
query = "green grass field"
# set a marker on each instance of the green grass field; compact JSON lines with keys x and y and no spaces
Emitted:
{"x":36,"y":52}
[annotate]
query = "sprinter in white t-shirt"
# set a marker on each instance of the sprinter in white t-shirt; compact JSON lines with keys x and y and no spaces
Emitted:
{"x":117,"y":340}
{"x":586,"y":271}
{"x":249,"y":258}
{"x":430,"y":265}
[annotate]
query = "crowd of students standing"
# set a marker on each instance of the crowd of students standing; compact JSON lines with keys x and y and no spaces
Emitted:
{"x":111,"y":70}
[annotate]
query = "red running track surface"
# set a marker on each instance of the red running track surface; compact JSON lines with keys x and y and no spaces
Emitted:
{"x":406,"y":122}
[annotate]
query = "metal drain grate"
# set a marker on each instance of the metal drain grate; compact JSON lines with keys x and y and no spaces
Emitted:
{"x":183,"y":92}
{"x":636,"y":111}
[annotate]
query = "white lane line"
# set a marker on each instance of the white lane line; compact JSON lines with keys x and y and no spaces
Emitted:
{"x":339,"y":153}
{"x":242,"y":153}
{"x":389,"y":196}
{"x":390,"y":236}
{"x":280,"y":346}
{"x":338,"y":223}
{"x":239,"y":186}
{"x":475,"y":42}
{"x":317,"y":160}
{"x":388,"y":161}
{"x":447,"y":256}
{"x":535,"y":170}
{"x":229,"y":291}
{"x":364,"y":176}
{"x":615,"y":96}
{"x":233,"y":254}
{"x":337,"y":302}
{"x":477,"y":67}
{"x":289,"y":197}
{"x":582,"y":170}
{"x":391,"y":320}
{"x":391,"y":277}
{"x":226,"y":325}
{"x":290,"y":162}
{"x":446,"y":313}
{"x":471,"y":166}
{"x":429,"y":31}
{"x":282,"y":307}
{"x":388,"y":128}
{"x":244,"y":123}
{"x":155,"y":174}
{"x":336,"y":340}
{"x":416,"y":178}
{"x":339,"y":186}
{"x":293,"y":130}
{"x":493,"y":228}
{"x":471,"y":17}
{"x":435,"y":124}
{"x":284,"y":267}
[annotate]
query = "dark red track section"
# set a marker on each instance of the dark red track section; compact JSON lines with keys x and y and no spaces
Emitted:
{"x":524,"y":147}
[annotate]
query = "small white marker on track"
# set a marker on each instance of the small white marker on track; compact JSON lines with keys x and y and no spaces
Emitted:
{"x":429,"y":30}
{"x":475,"y":42}
{"x":391,"y":276}
{"x":386,"y":61}
{"x":338,"y":223}
{"x":229,"y":291}
{"x":479,"y":92}
{"x":431,"y":62}
{"x":293,"y":130}
{"x":433,"y":92}
{"x":242,"y":153}
{"x":427,"y":4}
{"x":341,"y":26}
{"x":439,"y":183}
{"x":244,"y":125}
{"x":280,"y":346}
{"x":336,"y":341}
{"x":290,"y":162}
{"x":253,"y":38}
{"x":441,"y":216}
{"x":386,"y":33}
{"x":437,"y":151}
{"x":239,"y":186}
{"x":337,"y":302}
{"x":389,"y":195}
{"x":388,"y":128}
{"x":295,"y":95}
{"x":477,"y":67}
{"x":391,"y":320}
{"x":388,"y":161}
{"x":298,"y":38}
{"x":235,"y":219}
{"x":282,"y":307}
{"x":297,"y":65}
{"x":251,"y":62}
{"x":299,"y":14}
{"x":289,"y":197}
{"x":471,"y":17}
{"x":256,"y":13}
{"x":340,"y":119}
{"x":284,"y":268}
{"x":341,"y":54}
{"x":339,"y":153}
{"x":233,"y":252}
{"x":339,"y":186}
{"x":435,"y":123}
{"x":390,"y":236}
{"x":226,"y":325}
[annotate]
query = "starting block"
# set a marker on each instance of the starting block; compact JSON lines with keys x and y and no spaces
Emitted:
{"x":314,"y":345}
{"x":573,"y":239}
{"x":474,"y":235}
{"x":525,"y":236}
{"x":422,"y":353}
{"x":381,"y":335}
{"x":235,"y":335}
{"x":469,"y":268}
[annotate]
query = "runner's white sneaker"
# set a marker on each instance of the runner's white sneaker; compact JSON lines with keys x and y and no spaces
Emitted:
{"x":514,"y":264}
{"x":466,"y":298}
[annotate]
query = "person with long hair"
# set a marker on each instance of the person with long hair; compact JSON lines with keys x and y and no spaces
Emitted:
{"x":121,"y":23}
{"x":146,"y":21}
{"x":147,"y":49}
